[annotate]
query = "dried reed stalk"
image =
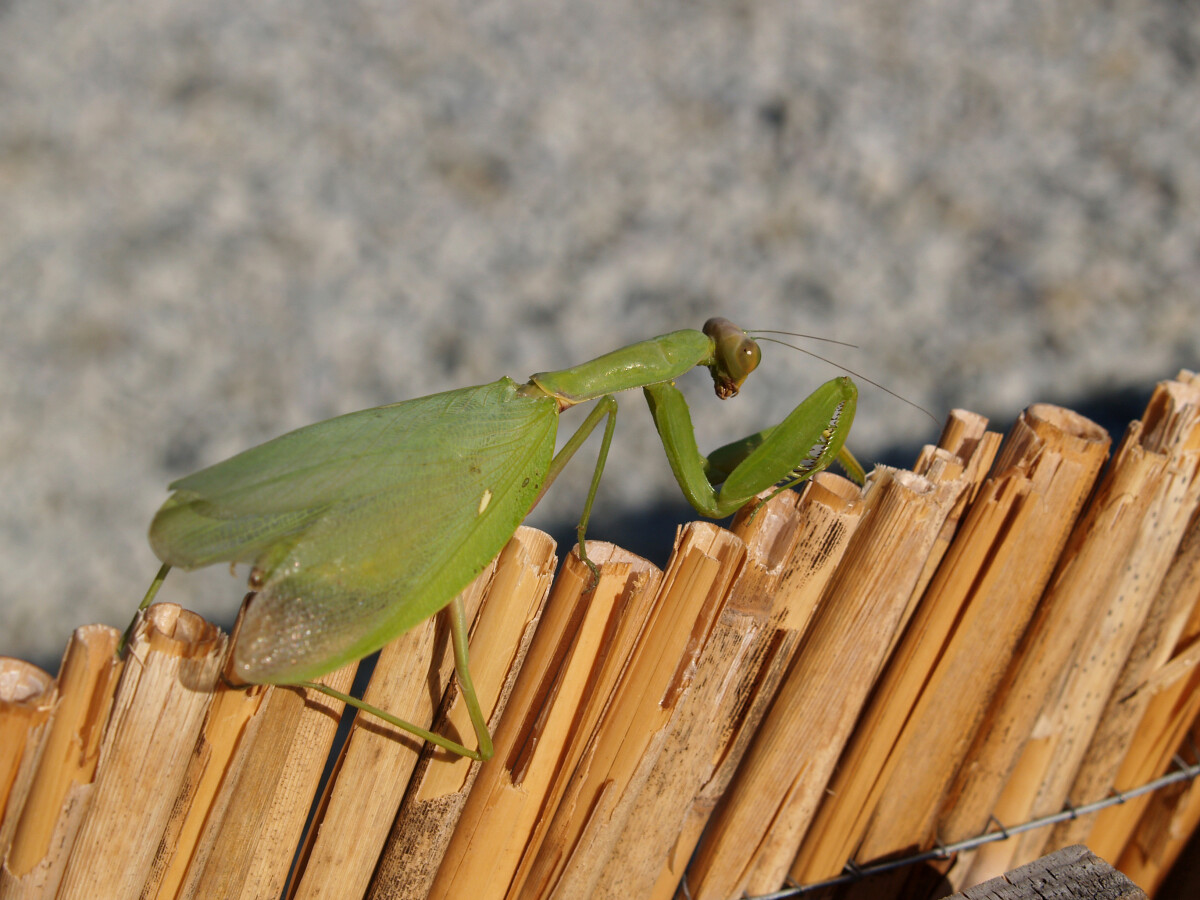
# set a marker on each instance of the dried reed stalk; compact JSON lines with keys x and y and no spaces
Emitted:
{"x":1166,"y":828}
{"x":937,"y":686}
{"x":27,"y":697}
{"x":631,"y":733}
{"x":39,"y":837}
{"x":1108,"y":575}
{"x":441,"y":783}
{"x":356,"y":814}
{"x":793,"y":545}
{"x":1152,"y":667}
{"x":752,"y":839}
{"x":1164,"y":703}
{"x":578,"y":655}
{"x":254,"y":773}
{"x":173,"y":662}
{"x":965,"y":451}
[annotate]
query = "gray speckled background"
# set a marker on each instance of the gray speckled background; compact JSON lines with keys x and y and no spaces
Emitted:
{"x":220,"y":221}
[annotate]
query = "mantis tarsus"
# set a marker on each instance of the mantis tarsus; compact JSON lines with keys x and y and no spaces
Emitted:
{"x":359,"y":527}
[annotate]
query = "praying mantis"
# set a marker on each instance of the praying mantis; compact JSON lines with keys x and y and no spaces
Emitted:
{"x":359,"y":527}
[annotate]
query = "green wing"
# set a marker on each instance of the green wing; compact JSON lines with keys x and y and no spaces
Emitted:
{"x":362,"y":525}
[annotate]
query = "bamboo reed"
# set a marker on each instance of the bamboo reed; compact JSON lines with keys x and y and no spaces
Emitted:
{"x":632,"y":732}
{"x":440,"y":785}
{"x":752,"y":839}
{"x":237,"y":820}
{"x":1109,"y":574}
{"x":937,"y":687}
{"x":174,"y":660}
{"x":1166,"y":702}
{"x":1169,"y":433}
{"x":578,"y":654}
{"x":793,"y":545}
{"x":356,"y":814}
{"x":251,"y":808}
{"x":1166,"y":827}
{"x":965,"y":450}
{"x":27,"y":696}
{"x":38,"y":837}
{"x":1149,"y":668}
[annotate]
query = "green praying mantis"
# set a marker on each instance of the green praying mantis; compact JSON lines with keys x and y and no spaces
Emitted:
{"x":361,"y":526}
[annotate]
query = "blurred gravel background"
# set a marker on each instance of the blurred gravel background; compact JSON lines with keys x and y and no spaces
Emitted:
{"x":220,"y":221}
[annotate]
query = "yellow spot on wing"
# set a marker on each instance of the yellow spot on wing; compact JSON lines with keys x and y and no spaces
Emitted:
{"x":484,"y":501}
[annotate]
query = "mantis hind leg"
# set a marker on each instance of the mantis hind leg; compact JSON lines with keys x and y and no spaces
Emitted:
{"x":151,"y":593}
{"x":458,"y":632}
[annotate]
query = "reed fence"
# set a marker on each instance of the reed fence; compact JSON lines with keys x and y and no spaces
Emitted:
{"x":1008,"y":630}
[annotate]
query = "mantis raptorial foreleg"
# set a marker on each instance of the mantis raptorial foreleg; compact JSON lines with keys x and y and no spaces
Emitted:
{"x":804,"y":443}
{"x":725,"y":459}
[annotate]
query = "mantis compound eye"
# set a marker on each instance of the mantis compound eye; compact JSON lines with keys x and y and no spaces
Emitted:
{"x":735,"y":355}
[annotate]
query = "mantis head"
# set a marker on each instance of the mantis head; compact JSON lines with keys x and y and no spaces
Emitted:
{"x":735,"y":355}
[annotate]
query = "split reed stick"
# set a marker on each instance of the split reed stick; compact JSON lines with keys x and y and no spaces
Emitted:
{"x":27,"y":698}
{"x":172,"y":666}
{"x":631,"y":733}
{"x":1108,"y":574}
{"x":1166,"y":828}
{"x":1152,"y":666}
{"x":793,"y":545}
{"x":965,"y":451}
{"x":254,"y":774}
{"x":355,"y":816}
{"x":1163,"y":703}
{"x":937,"y":686}
{"x":38,"y":837}
{"x":578,"y":655}
{"x":753,"y":837}
{"x":440,"y":785}
{"x":1170,"y":430}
